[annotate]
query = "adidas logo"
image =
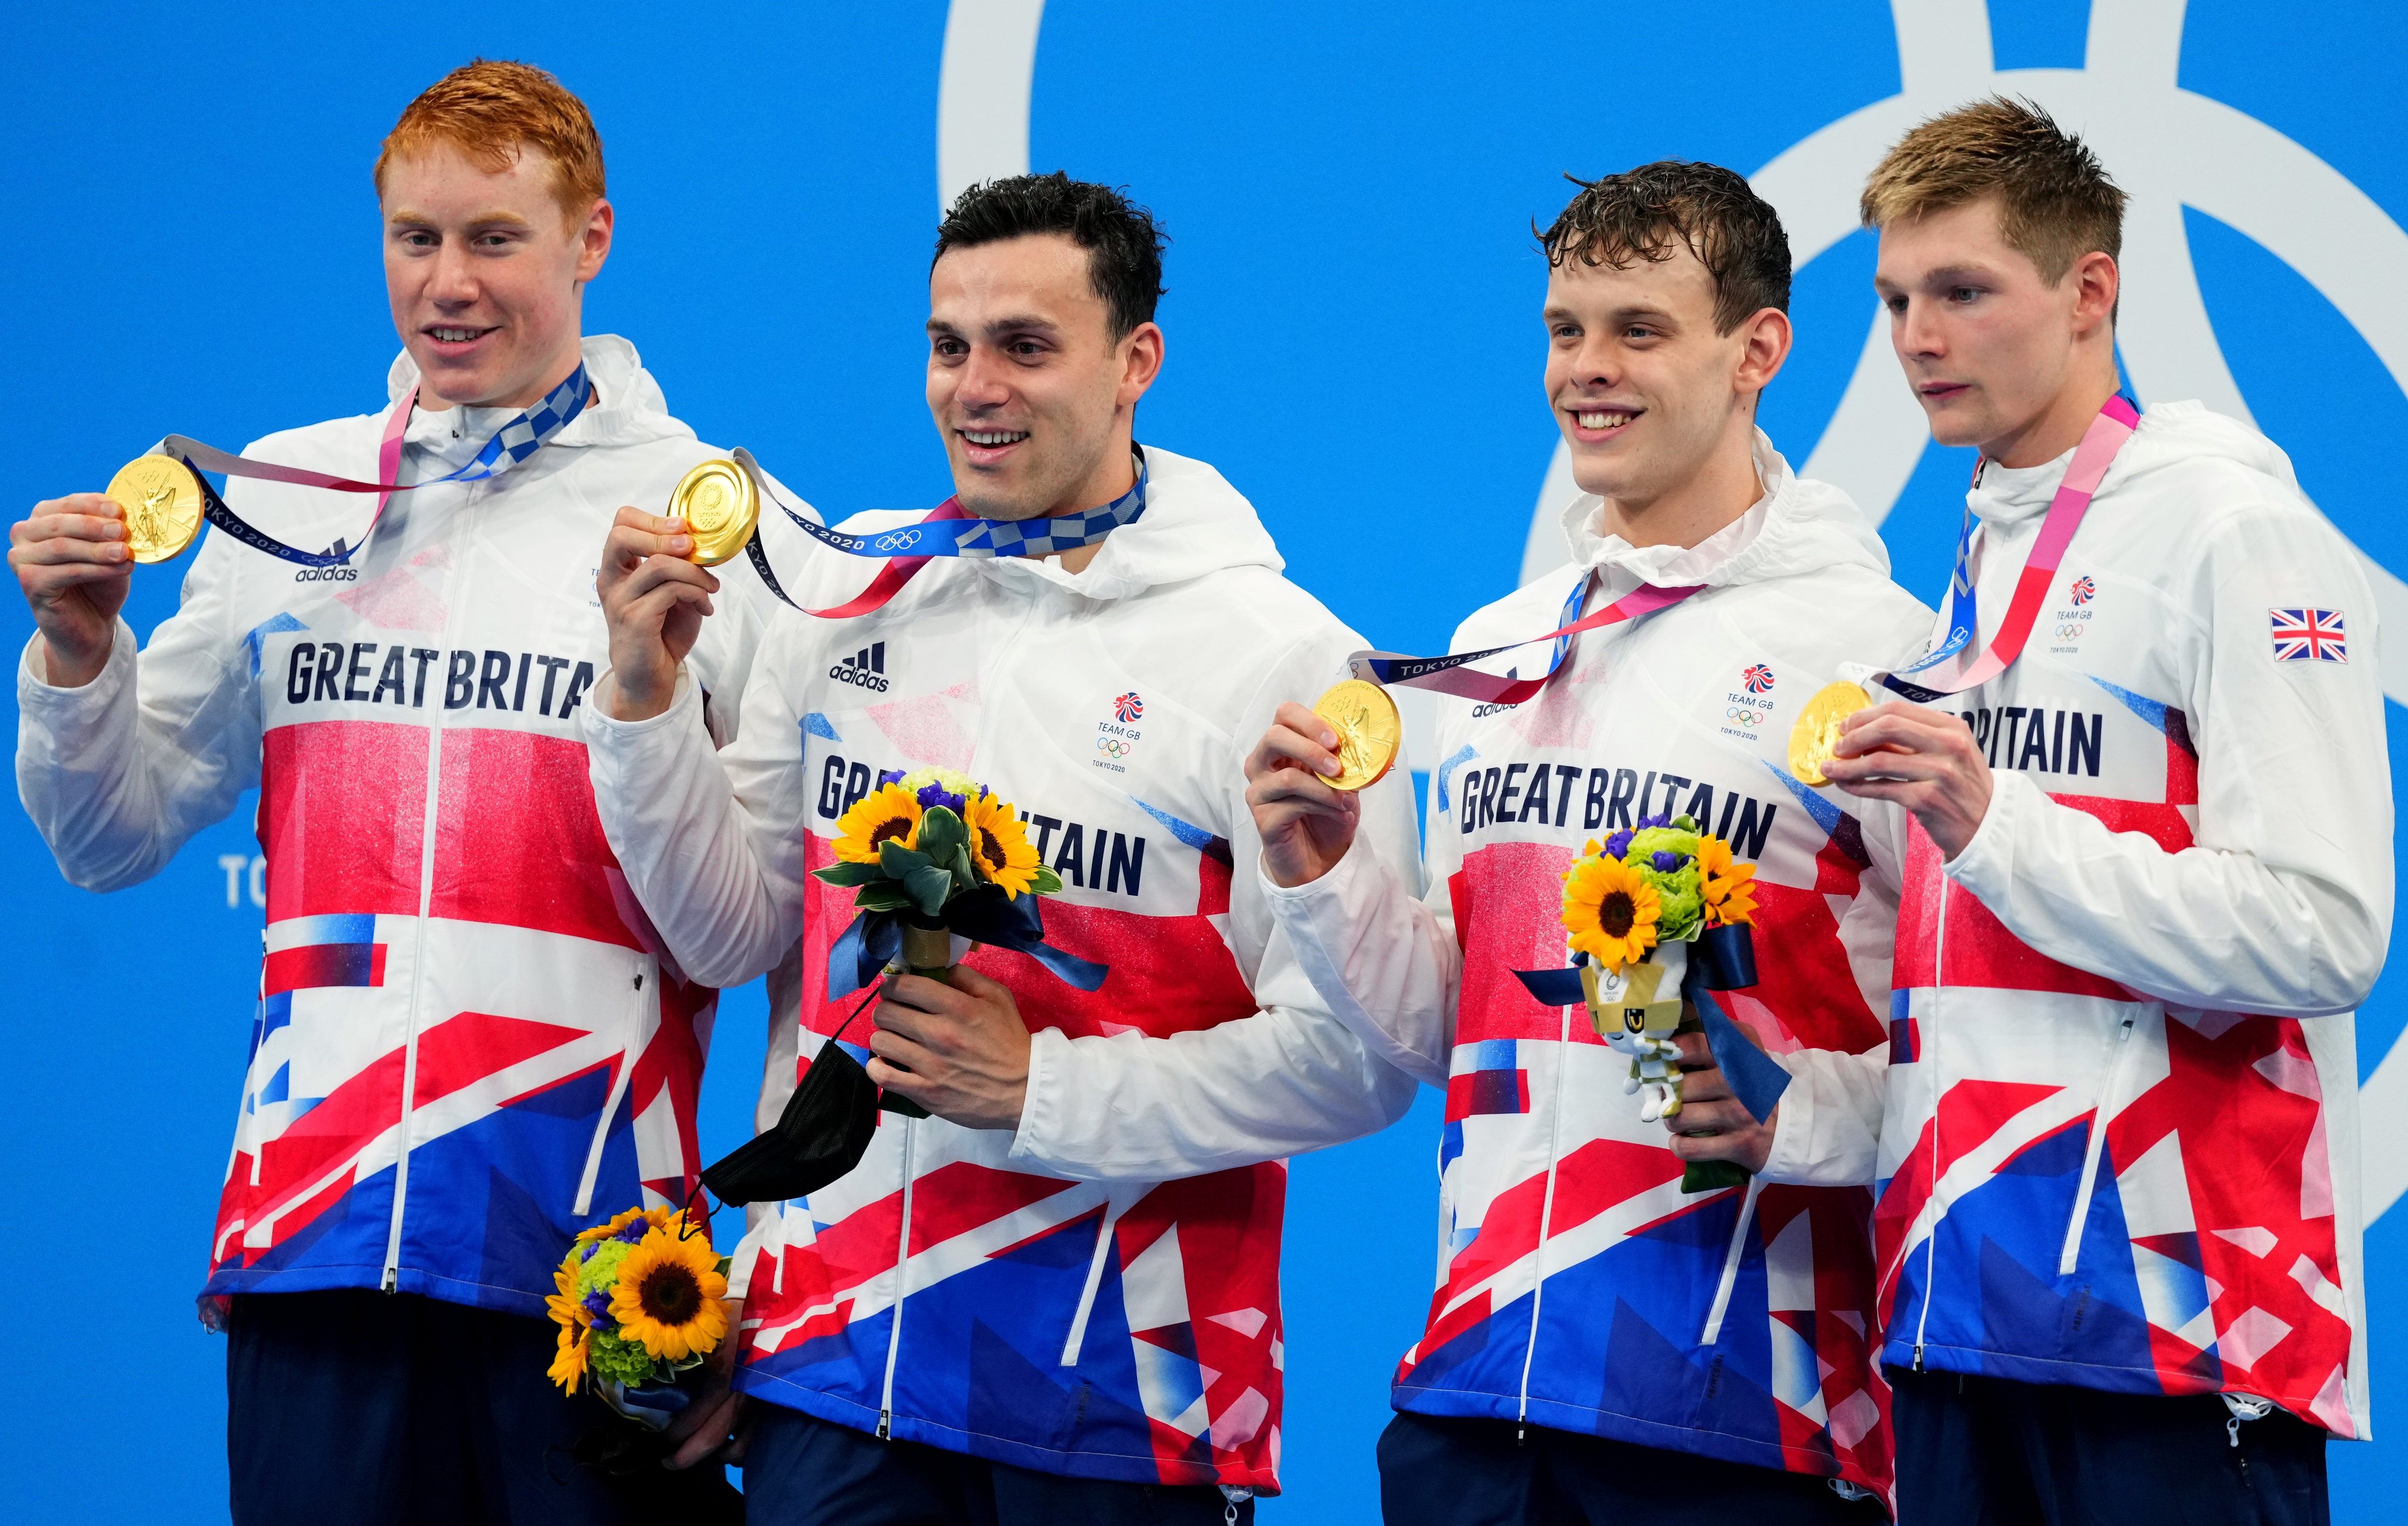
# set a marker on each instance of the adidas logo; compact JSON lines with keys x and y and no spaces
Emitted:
{"x":864,"y":670}
{"x":336,"y":573}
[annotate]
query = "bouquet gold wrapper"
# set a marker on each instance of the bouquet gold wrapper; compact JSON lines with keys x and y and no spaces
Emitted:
{"x":928,"y":948}
{"x":1815,"y":736}
{"x":1370,"y":731}
{"x":720,"y":506}
{"x":161,"y":499}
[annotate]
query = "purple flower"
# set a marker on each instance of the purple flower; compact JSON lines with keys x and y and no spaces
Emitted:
{"x":585,"y":1252}
{"x":635,"y":1232}
{"x":935,"y":795}
{"x":1665,"y":819}
{"x":1618,"y":844}
{"x":597,"y":1303}
{"x":1665,"y":861}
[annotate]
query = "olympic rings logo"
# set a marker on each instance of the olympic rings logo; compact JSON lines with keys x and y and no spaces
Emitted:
{"x":894,"y":541}
{"x":1114,"y":747}
{"x":2071,"y":632}
{"x":1744,"y":716}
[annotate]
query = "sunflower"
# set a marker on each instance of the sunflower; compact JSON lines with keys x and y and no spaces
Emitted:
{"x":999,"y":847}
{"x":568,"y":1364}
{"x":888,"y":813}
{"x":655,"y":1217}
{"x":1730,"y":899}
{"x":563,"y":1307}
{"x":1608,"y":910}
{"x":668,"y":1297}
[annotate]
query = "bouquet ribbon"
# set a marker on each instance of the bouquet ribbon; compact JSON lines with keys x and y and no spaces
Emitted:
{"x":947,"y":531}
{"x":1445,"y":673}
{"x":863,"y":951}
{"x":513,"y":442}
{"x":1717,"y":963}
{"x":2100,"y":444}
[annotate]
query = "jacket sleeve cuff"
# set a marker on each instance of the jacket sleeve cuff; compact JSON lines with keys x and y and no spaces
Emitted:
{"x":602,"y":728}
{"x":1827,"y":1131}
{"x":1300,"y":906}
{"x":62,"y":711}
{"x":1038,"y":1141}
{"x":1988,"y":856}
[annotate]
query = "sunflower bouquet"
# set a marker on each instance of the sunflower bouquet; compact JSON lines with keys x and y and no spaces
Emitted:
{"x":932,"y":853}
{"x":1657,"y":915}
{"x":638,"y":1307}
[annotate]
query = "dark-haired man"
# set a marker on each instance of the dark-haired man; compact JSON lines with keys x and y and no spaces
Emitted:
{"x":1591,"y":1320}
{"x":1059,"y":1298}
{"x":2148,"y":879}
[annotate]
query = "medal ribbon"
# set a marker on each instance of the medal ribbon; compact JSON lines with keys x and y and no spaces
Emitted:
{"x":512,"y":443}
{"x":947,"y":531}
{"x":1444,"y":673}
{"x":2100,"y":444}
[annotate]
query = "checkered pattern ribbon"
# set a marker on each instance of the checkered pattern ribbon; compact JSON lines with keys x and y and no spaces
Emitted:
{"x":512,"y":443}
{"x":947,"y":531}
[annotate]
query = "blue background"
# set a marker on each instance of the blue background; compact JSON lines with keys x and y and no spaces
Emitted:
{"x":1353,"y":338}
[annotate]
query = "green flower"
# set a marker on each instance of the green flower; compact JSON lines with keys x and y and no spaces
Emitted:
{"x":621,"y":1360}
{"x":1666,"y":859}
{"x":602,"y":1270}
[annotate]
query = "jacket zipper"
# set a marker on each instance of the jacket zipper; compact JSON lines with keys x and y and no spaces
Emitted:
{"x":1930,"y":1060}
{"x":618,"y":1083}
{"x":902,"y":1267}
{"x":2107,"y":1090}
{"x":1077,"y":1340}
{"x":1714,"y":1331}
{"x":392,"y":1281}
{"x":1546,"y":1217}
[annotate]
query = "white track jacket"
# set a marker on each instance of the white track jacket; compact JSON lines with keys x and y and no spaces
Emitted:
{"x":1578,"y":1288}
{"x":2117,"y":1146}
{"x":1097,"y":1295}
{"x":467,"y":1045}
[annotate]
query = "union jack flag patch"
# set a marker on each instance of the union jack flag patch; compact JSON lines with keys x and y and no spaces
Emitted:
{"x":2309,"y":636}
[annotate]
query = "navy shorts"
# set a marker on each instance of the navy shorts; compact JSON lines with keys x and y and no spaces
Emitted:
{"x":801,"y":1471}
{"x":380,"y":1409}
{"x":1986,"y":1451}
{"x":1436,"y":1471}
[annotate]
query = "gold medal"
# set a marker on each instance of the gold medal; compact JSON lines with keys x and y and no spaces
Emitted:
{"x":162,"y":501}
{"x":720,"y":506}
{"x":1368,"y":729}
{"x":1817,"y":735}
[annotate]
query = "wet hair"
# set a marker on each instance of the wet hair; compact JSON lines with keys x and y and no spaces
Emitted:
{"x":1648,"y":213}
{"x":491,"y":110}
{"x":1123,"y":242}
{"x":2055,"y":202}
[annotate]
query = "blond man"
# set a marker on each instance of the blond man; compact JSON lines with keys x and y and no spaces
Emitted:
{"x":2147,"y":879}
{"x":468,"y":1045}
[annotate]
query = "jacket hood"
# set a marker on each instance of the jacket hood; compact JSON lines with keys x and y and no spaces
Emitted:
{"x":628,"y":409}
{"x":1194,"y":523}
{"x":2170,"y":435}
{"x":1798,"y":527}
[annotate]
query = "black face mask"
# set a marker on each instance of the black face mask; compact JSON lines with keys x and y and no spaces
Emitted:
{"x":826,"y":1126}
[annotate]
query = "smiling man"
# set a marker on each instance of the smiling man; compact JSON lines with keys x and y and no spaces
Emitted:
{"x":2148,"y":880}
{"x":1059,"y":1298}
{"x":468,"y":1047}
{"x":1592,"y":1322}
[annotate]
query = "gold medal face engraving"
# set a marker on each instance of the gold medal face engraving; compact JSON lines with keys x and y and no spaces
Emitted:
{"x":1368,"y":729}
{"x":1816,"y":734}
{"x":720,"y":507}
{"x":161,"y":499}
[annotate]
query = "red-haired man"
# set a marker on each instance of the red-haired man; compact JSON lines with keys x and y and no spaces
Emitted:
{"x":468,"y":1045}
